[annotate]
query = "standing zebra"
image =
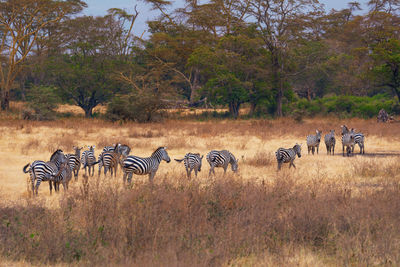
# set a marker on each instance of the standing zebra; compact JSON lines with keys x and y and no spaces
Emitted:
{"x":221,"y":159}
{"x":313,"y":142}
{"x":75,"y":162}
{"x":108,"y":160}
{"x":330,"y":142}
{"x":64,"y":176}
{"x":358,"y":138}
{"x":348,"y":141}
{"x":41,"y":171}
{"x":142,"y":166}
{"x":88,"y":159}
{"x":192,"y":162}
{"x":284,"y":155}
{"x":118,"y":148}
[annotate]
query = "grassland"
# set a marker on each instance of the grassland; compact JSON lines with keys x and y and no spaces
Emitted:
{"x":331,"y":210}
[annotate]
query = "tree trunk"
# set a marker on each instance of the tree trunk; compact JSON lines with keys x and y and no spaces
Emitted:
{"x":88,"y":112}
{"x":5,"y":100}
{"x":234,"y":109}
{"x":279,"y":103}
{"x":253,"y":106}
{"x":194,"y":87}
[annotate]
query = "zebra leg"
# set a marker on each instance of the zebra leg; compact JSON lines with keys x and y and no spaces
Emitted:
{"x":309,"y":149}
{"x":279,"y":165}
{"x":195,"y":172}
{"x":124,"y":177}
{"x":327,"y":150}
{"x":130,"y":178}
{"x":343,"y":150}
{"x":318,"y":149}
{"x":333,"y":150}
{"x":151,"y":176}
{"x":211,"y":170}
{"x":313,"y":150}
{"x":51,"y":187}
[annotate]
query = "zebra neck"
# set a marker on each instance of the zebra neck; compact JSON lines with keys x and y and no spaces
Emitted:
{"x":158,"y":157}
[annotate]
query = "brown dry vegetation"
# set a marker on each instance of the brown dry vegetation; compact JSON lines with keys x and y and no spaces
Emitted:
{"x":331,"y":210}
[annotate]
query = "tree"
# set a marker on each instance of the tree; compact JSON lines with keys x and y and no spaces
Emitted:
{"x":282,"y":23}
{"x":20,"y":25}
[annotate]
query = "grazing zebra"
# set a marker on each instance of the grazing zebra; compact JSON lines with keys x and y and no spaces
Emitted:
{"x":88,"y":159}
{"x":348,"y":141}
{"x":313,"y":142}
{"x":142,"y":166}
{"x":41,"y":171}
{"x":221,"y":159}
{"x":358,"y":138}
{"x":75,"y":162}
{"x":284,"y":155}
{"x":108,"y":160}
{"x":192,"y":162}
{"x":330,"y":142}
{"x":123,"y":150}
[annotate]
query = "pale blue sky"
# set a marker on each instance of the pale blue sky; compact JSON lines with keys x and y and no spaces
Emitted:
{"x":100,"y":7}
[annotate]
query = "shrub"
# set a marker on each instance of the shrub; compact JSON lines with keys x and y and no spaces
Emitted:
{"x":42,"y":102}
{"x":143,"y":107}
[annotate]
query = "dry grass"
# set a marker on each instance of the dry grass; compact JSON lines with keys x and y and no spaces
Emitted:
{"x":330,"y":210}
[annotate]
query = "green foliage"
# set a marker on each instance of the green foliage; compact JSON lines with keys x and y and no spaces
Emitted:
{"x":142,"y":107}
{"x":42,"y":102}
{"x":345,"y":106}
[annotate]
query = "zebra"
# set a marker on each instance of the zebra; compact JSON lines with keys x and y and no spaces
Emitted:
{"x":88,"y":159}
{"x":141,"y":166}
{"x":123,"y":150}
{"x":284,"y":155}
{"x":313,"y":142}
{"x":221,"y":159}
{"x":41,"y":171}
{"x":192,"y":162}
{"x":75,"y":162}
{"x":358,"y":138}
{"x":330,"y":142}
{"x":348,"y":141}
{"x":64,"y":176}
{"x":108,"y":160}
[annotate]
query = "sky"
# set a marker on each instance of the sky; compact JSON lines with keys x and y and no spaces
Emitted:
{"x":100,"y":7}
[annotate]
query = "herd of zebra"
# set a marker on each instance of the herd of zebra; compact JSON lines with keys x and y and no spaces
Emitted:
{"x":349,"y":139}
{"x":61,"y":167}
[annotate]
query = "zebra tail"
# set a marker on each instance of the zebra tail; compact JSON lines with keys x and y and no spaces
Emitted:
{"x":179,"y":160}
{"x":24,"y":169}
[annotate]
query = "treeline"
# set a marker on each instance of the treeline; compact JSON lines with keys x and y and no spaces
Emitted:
{"x":276,"y":56}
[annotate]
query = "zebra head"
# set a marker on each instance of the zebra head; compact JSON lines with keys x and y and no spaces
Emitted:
{"x":345,"y":130}
{"x":318,"y":135}
{"x":58,"y":157}
{"x":234,"y":163}
{"x":162,"y":154}
{"x":297,"y":149}
{"x":78,"y":151}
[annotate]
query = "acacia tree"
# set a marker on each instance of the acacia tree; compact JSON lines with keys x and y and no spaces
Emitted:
{"x":20,"y":25}
{"x":281,"y":24}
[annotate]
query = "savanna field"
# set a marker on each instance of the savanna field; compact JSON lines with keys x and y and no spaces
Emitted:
{"x":329,"y":211}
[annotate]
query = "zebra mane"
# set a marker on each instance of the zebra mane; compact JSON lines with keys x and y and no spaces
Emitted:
{"x":54,"y":154}
{"x":158,"y":149}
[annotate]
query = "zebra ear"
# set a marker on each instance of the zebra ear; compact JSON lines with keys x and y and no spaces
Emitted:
{"x":165,"y":147}
{"x":94,"y":146}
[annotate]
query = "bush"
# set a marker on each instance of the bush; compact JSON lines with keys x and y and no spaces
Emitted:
{"x":142,"y":107}
{"x":344,"y":106}
{"x":42,"y":102}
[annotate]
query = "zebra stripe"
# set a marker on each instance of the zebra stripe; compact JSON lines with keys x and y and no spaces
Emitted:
{"x":330,"y":142}
{"x":41,"y":171}
{"x":221,"y":159}
{"x":313,"y":142}
{"x":142,"y":166}
{"x":75,"y":162}
{"x":192,"y":162}
{"x":284,"y":155}
{"x":88,"y":159}
{"x":108,"y":160}
{"x":358,"y":138}
{"x":64,"y":176}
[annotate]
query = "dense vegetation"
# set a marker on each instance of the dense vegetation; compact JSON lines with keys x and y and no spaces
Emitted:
{"x":277,"y":57}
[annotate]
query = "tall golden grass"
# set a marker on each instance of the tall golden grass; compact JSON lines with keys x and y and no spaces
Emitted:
{"x":330,"y":210}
